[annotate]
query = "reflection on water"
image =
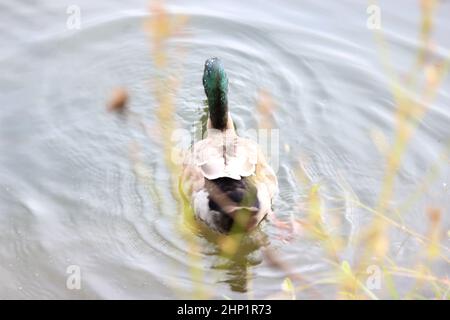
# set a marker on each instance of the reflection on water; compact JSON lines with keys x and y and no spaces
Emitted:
{"x":238,"y":263}
{"x":81,"y":186}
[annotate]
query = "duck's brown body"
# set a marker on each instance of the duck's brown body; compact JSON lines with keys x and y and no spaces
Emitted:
{"x":227,"y":179}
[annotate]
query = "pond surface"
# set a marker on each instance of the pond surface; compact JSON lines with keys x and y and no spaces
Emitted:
{"x":69,"y":195}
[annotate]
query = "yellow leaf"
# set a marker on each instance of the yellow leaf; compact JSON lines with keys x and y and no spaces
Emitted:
{"x":288,"y":287}
{"x":345,"y":266}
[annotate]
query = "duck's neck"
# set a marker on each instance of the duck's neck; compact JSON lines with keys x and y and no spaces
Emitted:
{"x":229,"y":126}
{"x":218,"y":109}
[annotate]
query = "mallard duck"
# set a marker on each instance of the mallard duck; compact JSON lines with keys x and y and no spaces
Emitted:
{"x":226,"y":177}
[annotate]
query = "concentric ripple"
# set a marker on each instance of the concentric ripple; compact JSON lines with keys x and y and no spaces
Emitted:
{"x":67,"y":173}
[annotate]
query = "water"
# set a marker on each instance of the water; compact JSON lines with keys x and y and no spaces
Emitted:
{"x":70,"y":197}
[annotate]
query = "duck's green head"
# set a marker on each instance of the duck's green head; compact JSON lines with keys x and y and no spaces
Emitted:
{"x":215,"y":82}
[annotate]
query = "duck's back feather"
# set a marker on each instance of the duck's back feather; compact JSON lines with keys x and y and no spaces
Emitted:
{"x":224,"y":154}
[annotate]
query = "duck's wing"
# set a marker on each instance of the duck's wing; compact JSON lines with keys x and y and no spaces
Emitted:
{"x":265,"y":175}
{"x":192,"y":177}
{"x":224,"y":154}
